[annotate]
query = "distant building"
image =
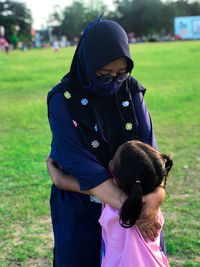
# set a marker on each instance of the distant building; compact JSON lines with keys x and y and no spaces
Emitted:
{"x":187,"y":27}
{"x":43,"y":36}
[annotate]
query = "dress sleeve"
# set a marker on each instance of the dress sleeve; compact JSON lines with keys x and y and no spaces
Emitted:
{"x":144,"y":120}
{"x":68,"y":149}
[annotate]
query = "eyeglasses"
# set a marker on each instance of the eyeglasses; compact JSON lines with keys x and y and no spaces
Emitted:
{"x":108,"y":79}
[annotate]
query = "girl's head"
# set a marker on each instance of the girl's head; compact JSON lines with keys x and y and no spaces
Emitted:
{"x":138,"y":170}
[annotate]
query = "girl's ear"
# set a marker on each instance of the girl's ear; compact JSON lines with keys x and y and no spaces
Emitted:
{"x":115,"y":182}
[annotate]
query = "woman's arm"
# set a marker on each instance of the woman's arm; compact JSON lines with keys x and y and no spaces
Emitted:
{"x":62,"y":180}
{"x":67,"y":182}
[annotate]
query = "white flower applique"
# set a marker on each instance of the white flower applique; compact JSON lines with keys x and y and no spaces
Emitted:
{"x":84,"y":101}
{"x":125,"y":103}
{"x":75,"y":123}
{"x":129,"y":126}
{"x":67,"y":95}
{"x":95,"y":143}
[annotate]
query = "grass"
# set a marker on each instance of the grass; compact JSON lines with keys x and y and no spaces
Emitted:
{"x":170,"y":72}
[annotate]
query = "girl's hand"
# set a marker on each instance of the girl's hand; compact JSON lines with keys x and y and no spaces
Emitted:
{"x":148,"y":221}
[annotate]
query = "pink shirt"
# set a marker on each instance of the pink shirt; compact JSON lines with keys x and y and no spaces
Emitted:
{"x":125,"y":247}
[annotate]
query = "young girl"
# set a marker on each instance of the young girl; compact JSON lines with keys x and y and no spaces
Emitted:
{"x":137,"y":169}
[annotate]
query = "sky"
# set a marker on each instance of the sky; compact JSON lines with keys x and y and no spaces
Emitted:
{"x":40,"y":9}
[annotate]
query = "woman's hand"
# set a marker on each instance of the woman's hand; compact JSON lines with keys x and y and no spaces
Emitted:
{"x":148,"y":221}
{"x":52,"y":166}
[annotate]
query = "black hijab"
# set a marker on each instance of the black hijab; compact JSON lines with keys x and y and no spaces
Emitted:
{"x":105,"y":122}
{"x":102,"y":42}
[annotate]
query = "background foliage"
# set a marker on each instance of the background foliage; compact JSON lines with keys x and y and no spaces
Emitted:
{"x":14,"y":13}
{"x":143,"y":17}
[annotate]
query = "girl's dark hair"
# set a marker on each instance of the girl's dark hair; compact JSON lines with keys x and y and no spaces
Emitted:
{"x":139,"y":169}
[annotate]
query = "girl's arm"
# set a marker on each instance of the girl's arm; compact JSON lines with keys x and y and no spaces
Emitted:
{"x":148,"y":221}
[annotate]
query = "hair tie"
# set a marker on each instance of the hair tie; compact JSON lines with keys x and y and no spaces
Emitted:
{"x":137,"y":182}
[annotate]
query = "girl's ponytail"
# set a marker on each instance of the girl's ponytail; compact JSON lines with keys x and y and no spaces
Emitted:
{"x":132,"y":207}
{"x":168,"y":165}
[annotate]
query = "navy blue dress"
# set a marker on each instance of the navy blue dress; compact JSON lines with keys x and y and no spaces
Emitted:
{"x":87,"y":128}
{"x":74,"y":215}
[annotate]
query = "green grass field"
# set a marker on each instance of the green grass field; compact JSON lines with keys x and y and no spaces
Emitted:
{"x":170,"y":72}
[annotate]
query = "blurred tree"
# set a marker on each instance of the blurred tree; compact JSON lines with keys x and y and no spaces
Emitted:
{"x":142,"y":17}
{"x":194,"y":8}
{"x":16,"y":18}
{"x":72,"y":20}
{"x":168,"y":13}
{"x":186,"y":8}
{"x":94,"y":10}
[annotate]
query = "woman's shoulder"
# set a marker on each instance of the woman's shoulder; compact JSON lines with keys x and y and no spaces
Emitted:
{"x":56,"y":92}
{"x":135,"y":86}
{"x":56,"y":101}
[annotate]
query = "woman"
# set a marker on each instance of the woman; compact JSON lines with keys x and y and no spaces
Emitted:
{"x":96,"y":107}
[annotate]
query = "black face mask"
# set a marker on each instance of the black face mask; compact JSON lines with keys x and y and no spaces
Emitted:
{"x":107,"y":85}
{"x":105,"y":89}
